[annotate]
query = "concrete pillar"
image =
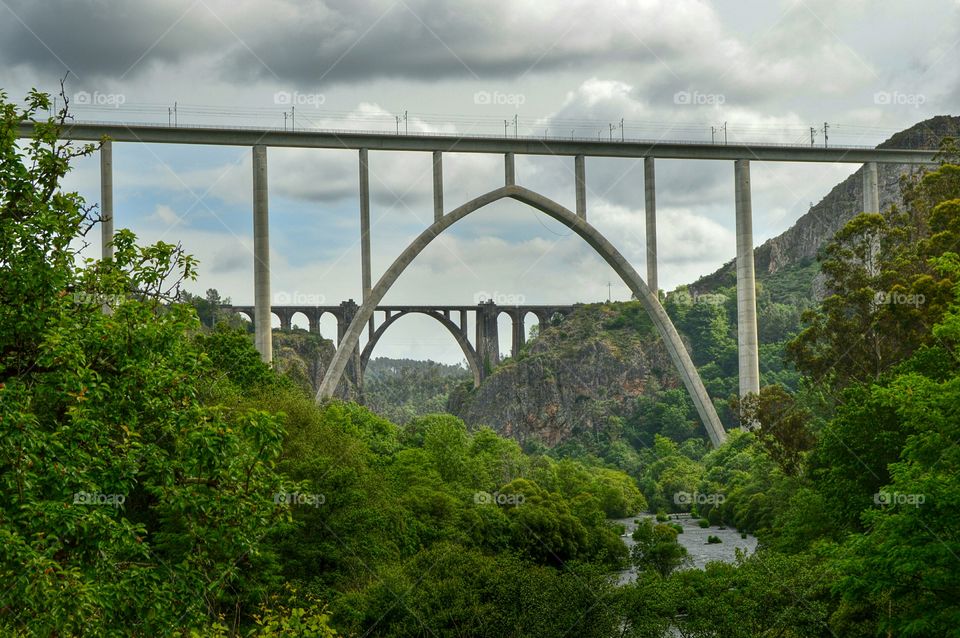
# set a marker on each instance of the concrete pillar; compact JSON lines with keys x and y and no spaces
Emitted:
{"x":463,"y":322}
{"x":488,"y":337}
{"x":650,"y":207}
{"x":286,"y":320}
{"x":352,"y":373}
{"x":579,"y":165}
{"x":314,"y":320}
{"x":261,"y":256}
{"x":871,"y":188}
{"x":510,"y":173}
{"x":518,"y":333}
{"x":365,"y":231}
{"x":749,"y":353}
{"x":365,"y":223}
{"x":437,"y":185}
{"x":106,"y":200}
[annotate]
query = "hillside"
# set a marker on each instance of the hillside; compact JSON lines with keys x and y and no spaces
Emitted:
{"x":401,"y":389}
{"x":787,"y":262}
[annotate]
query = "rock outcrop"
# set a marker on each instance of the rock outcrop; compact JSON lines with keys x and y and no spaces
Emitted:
{"x":572,"y":378}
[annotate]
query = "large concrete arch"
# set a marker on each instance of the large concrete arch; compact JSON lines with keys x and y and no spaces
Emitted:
{"x":579,"y":225}
{"x":468,"y":350}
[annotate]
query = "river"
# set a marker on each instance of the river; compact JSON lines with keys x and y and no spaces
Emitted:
{"x":694,"y":538}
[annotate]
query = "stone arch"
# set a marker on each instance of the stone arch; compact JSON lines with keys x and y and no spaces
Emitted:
{"x":245,"y":312}
{"x":468,"y":350}
{"x":303,"y":312}
{"x":579,"y":225}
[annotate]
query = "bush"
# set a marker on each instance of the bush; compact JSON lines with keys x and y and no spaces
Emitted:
{"x":704,"y":523}
{"x":677,"y":527}
{"x":662,"y":517}
{"x":713,"y":540}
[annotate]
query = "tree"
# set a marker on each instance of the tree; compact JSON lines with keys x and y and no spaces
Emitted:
{"x":124,"y":495}
{"x":884,"y":291}
{"x":780,"y":425}
{"x":656,"y":548}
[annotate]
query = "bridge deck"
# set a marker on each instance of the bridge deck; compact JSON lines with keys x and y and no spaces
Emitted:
{"x":453,"y":143}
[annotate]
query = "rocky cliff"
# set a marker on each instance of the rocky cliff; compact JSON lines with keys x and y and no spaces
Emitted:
{"x":302,"y":355}
{"x":572,"y":377}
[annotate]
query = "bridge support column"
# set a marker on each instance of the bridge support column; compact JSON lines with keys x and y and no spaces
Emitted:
{"x":365,"y":223}
{"x":488,"y":337}
{"x":580,"y":170}
{"x":314,"y":320}
{"x":437,"y":185}
{"x":510,"y":173}
{"x":871,"y":188}
{"x":650,"y":208}
{"x":286,"y":321}
{"x":106,"y":200}
{"x":352,"y":373}
{"x":518,"y":333}
{"x":365,"y":229}
{"x":261,"y":257}
{"x":748,"y":349}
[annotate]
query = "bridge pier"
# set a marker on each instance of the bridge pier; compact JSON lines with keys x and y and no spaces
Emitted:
{"x":871,"y":188}
{"x":519,"y":337}
{"x":580,"y":170}
{"x":488,"y":337}
{"x":106,"y":200}
{"x":262,"y":324}
{"x":509,"y":170}
{"x":748,"y":348}
{"x":437,"y":185}
{"x":650,"y":208}
{"x":352,"y":375}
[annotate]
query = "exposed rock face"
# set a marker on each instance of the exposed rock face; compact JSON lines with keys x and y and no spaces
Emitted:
{"x":814,"y":230}
{"x":302,"y":355}
{"x":570,"y":380}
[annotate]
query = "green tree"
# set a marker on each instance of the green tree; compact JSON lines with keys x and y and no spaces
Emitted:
{"x":124,"y":496}
{"x":656,"y":548}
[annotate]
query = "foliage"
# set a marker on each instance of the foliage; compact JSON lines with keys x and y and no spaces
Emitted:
{"x":656,"y":548}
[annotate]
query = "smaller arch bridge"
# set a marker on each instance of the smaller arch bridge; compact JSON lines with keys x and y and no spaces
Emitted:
{"x":482,"y":354}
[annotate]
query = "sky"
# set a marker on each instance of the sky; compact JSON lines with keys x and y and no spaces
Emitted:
{"x":768,"y":70}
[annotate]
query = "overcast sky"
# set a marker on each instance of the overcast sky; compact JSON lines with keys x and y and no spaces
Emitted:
{"x":670,"y":69}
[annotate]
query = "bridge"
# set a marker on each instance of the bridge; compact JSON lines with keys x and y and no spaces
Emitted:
{"x":482,"y":355}
{"x":644,"y":289}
